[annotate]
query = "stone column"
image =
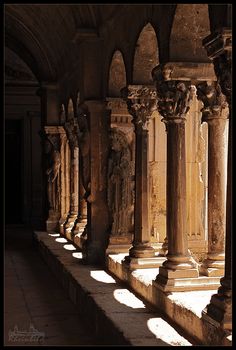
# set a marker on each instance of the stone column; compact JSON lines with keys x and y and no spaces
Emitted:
{"x":64,"y":212}
{"x":141,"y":102}
{"x":81,"y":222}
{"x":219,"y":49}
{"x":78,"y":231}
{"x":74,"y":179}
{"x":173,"y":104}
{"x":215,"y":113}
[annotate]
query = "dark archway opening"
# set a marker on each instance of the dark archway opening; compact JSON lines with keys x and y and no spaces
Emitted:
{"x":13,"y":172}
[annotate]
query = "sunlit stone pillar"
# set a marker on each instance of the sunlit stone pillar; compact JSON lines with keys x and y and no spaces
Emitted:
{"x":173,"y":104}
{"x":74,"y":178}
{"x":141,"y":102}
{"x":219,"y":49}
{"x":215,"y":113}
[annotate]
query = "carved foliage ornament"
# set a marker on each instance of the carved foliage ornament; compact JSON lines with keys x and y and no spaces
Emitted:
{"x":213,"y":100}
{"x":223,"y":72}
{"x":173,"y":96}
{"x":141,"y":102}
{"x":219,"y":48}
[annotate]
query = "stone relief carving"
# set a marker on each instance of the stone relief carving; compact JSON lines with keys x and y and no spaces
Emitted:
{"x":120,"y":184}
{"x":213,"y":100}
{"x":83,"y":135}
{"x":141,"y":102}
{"x":173,"y":96}
{"x":71,"y":129}
{"x":52,"y":149}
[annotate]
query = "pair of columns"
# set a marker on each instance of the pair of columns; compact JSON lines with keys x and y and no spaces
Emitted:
{"x":66,"y":206}
{"x":174,"y":98}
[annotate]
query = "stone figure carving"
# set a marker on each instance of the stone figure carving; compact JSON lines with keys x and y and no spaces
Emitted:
{"x":213,"y":100}
{"x":120,"y":184}
{"x":173,"y":96}
{"x":52,"y":172}
{"x":83,"y":134}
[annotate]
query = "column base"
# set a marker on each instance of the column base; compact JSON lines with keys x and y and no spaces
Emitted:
{"x":211,"y":272}
{"x":52,"y":224}
{"x":118,"y":248}
{"x":69,"y":226}
{"x":61,"y":225}
{"x":79,"y":240}
{"x":79,"y":226}
{"x":211,"y":267}
{"x":184,"y":280}
{"x":219,"y":312}
{"x":142,"y":251}
{"x":158,"y":247}
{"x":133,"y":263}
{"x":119,"y":244}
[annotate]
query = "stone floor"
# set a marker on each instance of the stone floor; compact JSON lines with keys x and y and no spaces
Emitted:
{"x":34,"y":298}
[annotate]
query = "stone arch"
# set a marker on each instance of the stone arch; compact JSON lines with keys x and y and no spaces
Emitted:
{"x":117,"y":75}
{"x":190,"y":26}
{"x":70,"y":110}
{"x":146,"y":56}
{"x":28,"y":48}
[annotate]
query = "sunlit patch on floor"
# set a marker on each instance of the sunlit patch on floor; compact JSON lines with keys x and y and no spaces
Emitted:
{"x":61,"y":240}
{"x":162,"y":330}
{"x":124,"y":296}
{"x":69,"y":247}
{"x":77,"y":255}
{"x":102,"y":276}
{"x":54,"y":234}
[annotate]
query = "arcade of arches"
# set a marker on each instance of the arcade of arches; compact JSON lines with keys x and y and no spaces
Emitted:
{"x":118,"y":118}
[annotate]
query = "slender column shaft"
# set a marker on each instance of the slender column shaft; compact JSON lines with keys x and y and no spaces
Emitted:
{"x":75,"y":182}
{"x":141,"y":220}
{"x":176,"y":190}
{"x":82,"y":202}
{"x":219,"y":48}
{"x":141,"y":102}
{"x":215,"y":113}
{"x":173,"y":104}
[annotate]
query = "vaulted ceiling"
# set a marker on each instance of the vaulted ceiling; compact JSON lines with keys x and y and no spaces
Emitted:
{"x":44,"y":35}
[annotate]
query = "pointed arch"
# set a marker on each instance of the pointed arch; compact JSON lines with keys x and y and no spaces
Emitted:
{"x":146,"y":56}
{"x":117,"y":74}
{"x":186,"y":44}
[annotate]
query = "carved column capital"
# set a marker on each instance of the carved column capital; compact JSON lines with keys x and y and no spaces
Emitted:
{"x":219,"y":49}
{"x":173,"y":96}
{"x":141,"y":102}
{"x":215,"y":105}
